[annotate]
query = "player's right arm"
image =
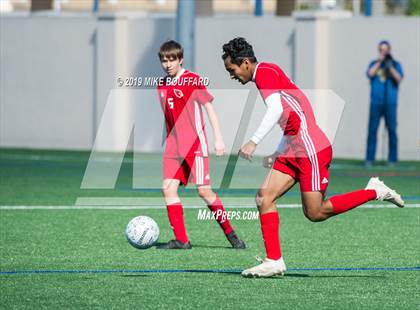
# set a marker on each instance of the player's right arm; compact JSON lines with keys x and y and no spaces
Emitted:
{"x":267,"y":83}
{"x":270,"y":119}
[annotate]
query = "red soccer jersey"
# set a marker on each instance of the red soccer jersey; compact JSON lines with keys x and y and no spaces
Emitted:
{"x":304,"y":137}
{"x":181,"y":101}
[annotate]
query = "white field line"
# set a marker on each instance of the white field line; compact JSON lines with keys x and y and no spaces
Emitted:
{"x":109,"y":158}
{"x":283,"y":206}
{"x":155,"y":201}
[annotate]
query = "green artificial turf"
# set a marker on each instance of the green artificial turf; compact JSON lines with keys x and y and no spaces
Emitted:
{"x":93,"y":266}
{"x":94,"y":240}
{"x":33,"y":177}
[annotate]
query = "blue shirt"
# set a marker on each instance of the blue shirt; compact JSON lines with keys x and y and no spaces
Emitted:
{"x":384,"y":90}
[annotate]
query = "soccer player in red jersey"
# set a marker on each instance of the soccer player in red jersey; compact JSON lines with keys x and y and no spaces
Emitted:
{"x":303,"y":155}
{"x":182,"y":94}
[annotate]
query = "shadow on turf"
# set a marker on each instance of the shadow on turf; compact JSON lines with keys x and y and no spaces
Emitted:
{"x":200,"y":246}
{"x":302,"y":275}
{"x":287,"y":275}
{"x":211,"y":246}
{"x":133,"y":275}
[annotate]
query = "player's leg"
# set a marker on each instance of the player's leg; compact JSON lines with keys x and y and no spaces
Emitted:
{"x":316,"y":209}
{"x":314,"y":178}
{"x":170,"y":191}
{"x":200,"y":175}
{"x":313,"y":183}
{"x":276,"y":184}
{"x":215,"y":205}
{"x":173,"y":176}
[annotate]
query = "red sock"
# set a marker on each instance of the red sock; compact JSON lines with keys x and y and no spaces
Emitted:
{"x":345,"y":202}
{"x":220,"y":215}
{"x":270,"y":223}
{"x":176,"y":218}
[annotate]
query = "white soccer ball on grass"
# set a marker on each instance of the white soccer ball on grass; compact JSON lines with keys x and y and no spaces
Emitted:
{"x":142,"y":232}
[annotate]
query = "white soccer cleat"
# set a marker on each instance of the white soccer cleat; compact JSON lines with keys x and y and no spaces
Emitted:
{"x":384,"y":193}
{"x":267,"y":268}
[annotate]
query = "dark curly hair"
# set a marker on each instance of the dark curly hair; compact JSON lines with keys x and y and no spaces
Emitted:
{"x":238,"y":49}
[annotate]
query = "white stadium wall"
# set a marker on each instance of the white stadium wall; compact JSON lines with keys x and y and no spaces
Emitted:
{"x":57,"y":74}
{"x":46,"y":82}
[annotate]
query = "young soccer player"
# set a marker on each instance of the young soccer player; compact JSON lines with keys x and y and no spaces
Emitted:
{"x":304,"y":154}
{"x":185,"y":159}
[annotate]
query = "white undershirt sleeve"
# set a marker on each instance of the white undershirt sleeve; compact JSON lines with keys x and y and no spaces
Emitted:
{"x":271,"y":117}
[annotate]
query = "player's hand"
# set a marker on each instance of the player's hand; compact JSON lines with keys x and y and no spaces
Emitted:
{"x":219,"y":146}
{"x":247,"y":150}
{"x":268,"y":161}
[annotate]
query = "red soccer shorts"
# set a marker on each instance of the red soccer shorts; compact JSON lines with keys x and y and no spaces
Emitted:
{"x":311,"y":171}
{"x":193,"y":170}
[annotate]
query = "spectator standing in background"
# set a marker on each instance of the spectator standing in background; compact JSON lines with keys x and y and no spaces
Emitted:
{"x":385,"y":75}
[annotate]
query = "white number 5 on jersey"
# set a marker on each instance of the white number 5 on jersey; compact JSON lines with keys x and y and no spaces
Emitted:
{"x":171,"y":103}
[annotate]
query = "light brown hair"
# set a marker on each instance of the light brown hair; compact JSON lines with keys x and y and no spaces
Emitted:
{"x":171,"y":50}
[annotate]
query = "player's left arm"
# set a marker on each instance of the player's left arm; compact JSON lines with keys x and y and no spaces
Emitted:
{"x":219,"y":144}
{"x":270,"y":119}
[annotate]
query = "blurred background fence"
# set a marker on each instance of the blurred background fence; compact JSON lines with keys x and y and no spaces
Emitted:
{"x":58,"y":66}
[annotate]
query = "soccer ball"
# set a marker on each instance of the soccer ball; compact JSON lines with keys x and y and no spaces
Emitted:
{"x":142,"y":232}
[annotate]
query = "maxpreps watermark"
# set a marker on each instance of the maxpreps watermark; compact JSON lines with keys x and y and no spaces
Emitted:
{"x":205,"y":215}
{"x":139,"y":81}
